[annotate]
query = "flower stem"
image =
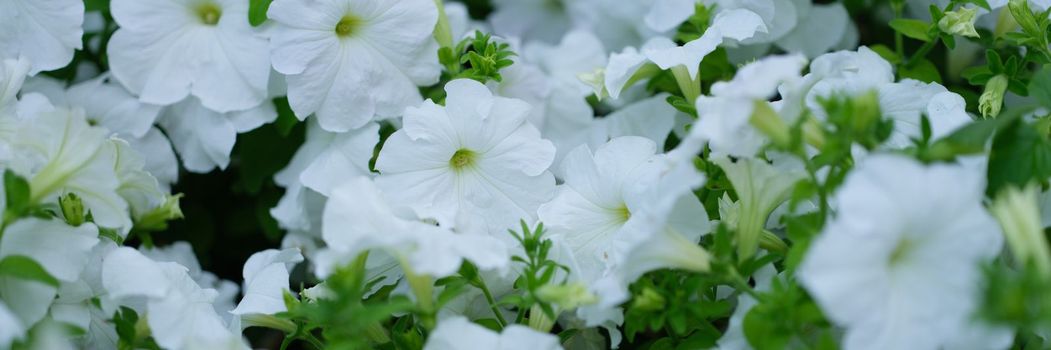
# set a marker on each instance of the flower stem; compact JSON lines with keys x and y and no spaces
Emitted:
{"x":689,"y":85}
{"x":492,"y":302}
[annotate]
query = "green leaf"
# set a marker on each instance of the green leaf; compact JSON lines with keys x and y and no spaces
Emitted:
{"x":887,"y":53}
{"x":96,"y":5}
{"x":922,"y":70}
{"x":286,"y":118}
{"x":17,"y":192}
{"x":1019,"y":156}
{"x":912,"y":28}
{"x":25,"y":268}
{"x":1040,"y":87}
{"x":257,"y":11}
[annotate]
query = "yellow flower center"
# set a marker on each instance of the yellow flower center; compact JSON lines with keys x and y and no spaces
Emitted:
{"x":348,"y":26}
{"x":209,"y":13}
{"x":462,"y":159}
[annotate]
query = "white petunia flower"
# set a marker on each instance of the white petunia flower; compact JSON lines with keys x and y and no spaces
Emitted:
{"x":11,"y":328}
{"x":182,"y":253}
{"x":266,"y":281}
{"x":760,"y":187}
{"x":168,"y":50}
{"x":47,"y":32}
{"x":350,"y":60}
{"x":729,"y":25}
{"x":204,"y":138}
{"x":59,"y":152}
{"x":60,"y":249}
{"x":12,"y":75}
{"x":899,"y":264}
{"x":599,"y":199}
{"x":358,"y":217}
{"x":725,"y":118}
{"x":458,"y":333}
{"x":179,"y":312}
{"x":820,"y":28}
{"x":107,"y":104}
{"x":475,"y":156}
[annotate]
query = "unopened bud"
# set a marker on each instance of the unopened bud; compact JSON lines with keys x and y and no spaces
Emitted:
{"x":960,"y":22}
{"x":992,"y":98}
{"x":72,"y":209}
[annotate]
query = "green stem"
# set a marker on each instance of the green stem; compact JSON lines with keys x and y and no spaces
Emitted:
{"x":922,"y":52}
{"x":492,"y":302}
{"x":689,"y":85}
{"x":423,"y":287}
{"x":443,"y":30}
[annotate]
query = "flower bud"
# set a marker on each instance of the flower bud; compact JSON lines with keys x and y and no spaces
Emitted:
{"x":1019,"y":216}
{"x":72,"y":209}
{"x":959,"y":22}
{"x":767,"y":121}
{"x":649,"y":300}
{"x":992,"y":98}
{"x":568,"y":296}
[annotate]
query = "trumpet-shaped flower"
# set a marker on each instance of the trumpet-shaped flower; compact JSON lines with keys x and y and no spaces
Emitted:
{"x":332,"y":50}
{"x":168,"y":50}
{"x":458,"y":333}
{"x":179,"y":312}
{"x":899,"y":264}
{"x":60,"y":153}
{"x":761,"y":187}
{"x":358,"y":217}
{"x":204,"y":138}
{"x":12,"y":75}
{"x":475,"y":156}
{"x":47,"y":32}
{"x":266,"y":281}
{"x":60,"y":249}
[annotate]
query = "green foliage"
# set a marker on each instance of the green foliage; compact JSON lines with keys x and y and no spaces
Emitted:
{"x":132,"y":331}
{"x":257,"y":11}
{"x":786,"y":317}
{"x":479,"y":58}
{"x":21,"y":267}
{"x":538,"y":270}
{"x":1016,"y":297}
{"x":17,"y":194}
{"x":912,"y":28}
{"x":349,"y":317}
{"x":1020,"y":155}
{"x":681,"y":306}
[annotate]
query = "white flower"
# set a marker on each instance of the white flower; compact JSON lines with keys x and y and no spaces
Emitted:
{"x":179,"y":312}
{"x":906,"y":100}
{"x":358,"y":217}
{"x":60,"y":153}
{"x":204,"y":138}
{"x":599,"y":198}
{"x":11,"y":328}
{"x":820,"y":27}
{"x":332,"y":49}
{"x":760,"y":187}
{"x":109,"y":105}
{"x":846,"y":73}
{"x":12,"y":75}
{"x":47,"y":32}
{"x":60,"y":249}
{"x":167,"y":50}
{"x":725,"y":118}
{"x":323,"y":162}
{"x":541,"y":20}
{"x":735,"y":24}
{"x":475,"y":156}
{"x":624,"y":67}
{"x":459,"y":333}
{"x":182,"y":253}
{"x":266,"y":281}
{"x":578,"y":52}
{"x":898,"y":266}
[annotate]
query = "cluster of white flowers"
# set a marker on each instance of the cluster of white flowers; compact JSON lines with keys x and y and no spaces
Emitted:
{"x":571,"y":135}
